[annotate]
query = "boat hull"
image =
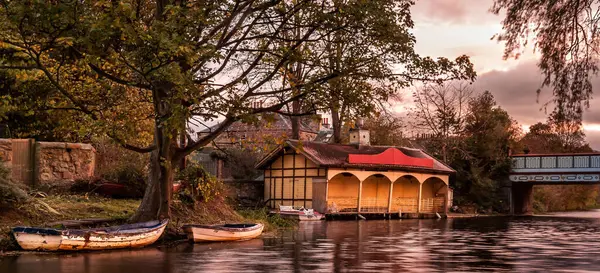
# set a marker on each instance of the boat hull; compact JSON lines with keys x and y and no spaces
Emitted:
{"x":300,"y":216}
{"x":91,"y":239}
{"x":219,"y":234}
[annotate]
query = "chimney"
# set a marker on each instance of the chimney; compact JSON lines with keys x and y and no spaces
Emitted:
{"x":358,"y":135}
{"x":257,"y":104}
{"x":325,"y":123}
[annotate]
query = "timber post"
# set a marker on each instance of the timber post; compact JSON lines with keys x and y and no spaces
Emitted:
{"x":359,"y":197}
{"x":389,"y":210}
{"x":419,"y":197}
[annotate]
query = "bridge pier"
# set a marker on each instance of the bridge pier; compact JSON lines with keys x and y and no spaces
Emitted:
{"x":522,"y":199}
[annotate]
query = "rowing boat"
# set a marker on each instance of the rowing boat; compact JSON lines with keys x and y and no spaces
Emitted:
{"x":301,"y":214}
{"x":219,"y":233}
{"x":124,"y":236}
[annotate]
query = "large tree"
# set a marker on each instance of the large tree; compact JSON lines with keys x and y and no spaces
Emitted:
{"x":489,"y":132}
{"x":372,"y":45}
{"x":566,"y":34}
{"x":167,"y":60}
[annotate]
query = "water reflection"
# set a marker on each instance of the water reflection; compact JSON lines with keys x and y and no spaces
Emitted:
{"x":500,"y":244}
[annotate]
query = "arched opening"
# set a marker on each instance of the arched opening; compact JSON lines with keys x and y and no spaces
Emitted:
{"x":342,"y":193}
{"x":405,"y":195}
{"x":375,"y":194}
{"x":433,"y":195}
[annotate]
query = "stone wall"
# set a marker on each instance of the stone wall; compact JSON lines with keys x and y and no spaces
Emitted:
{"x":6,"y":152}
{"x":64,"y":162}
{"x":55,"y":162}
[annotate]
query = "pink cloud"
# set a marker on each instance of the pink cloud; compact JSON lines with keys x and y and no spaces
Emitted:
{"x":453,"y":11}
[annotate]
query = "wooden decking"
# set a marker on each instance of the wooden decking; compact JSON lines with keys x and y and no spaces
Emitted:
{"x":378,"y":215}
{"x":348,"y":205}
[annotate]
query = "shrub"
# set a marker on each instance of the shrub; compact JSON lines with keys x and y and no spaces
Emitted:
{"x":199,"y":184}
{"x":11,"y":193}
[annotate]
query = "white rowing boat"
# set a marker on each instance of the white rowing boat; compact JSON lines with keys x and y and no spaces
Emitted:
{"x":220,"y":233}
{"x":124,"y":236}
{"x":301,"y":214}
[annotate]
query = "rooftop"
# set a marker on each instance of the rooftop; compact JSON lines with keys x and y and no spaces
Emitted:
{"x":280,"y":122}
{"x":338,"y":155}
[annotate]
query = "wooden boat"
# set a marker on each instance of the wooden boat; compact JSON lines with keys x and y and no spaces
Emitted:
{"x":301,"y":214}
{"x":221,"y":233}
{"x":124,"y":236}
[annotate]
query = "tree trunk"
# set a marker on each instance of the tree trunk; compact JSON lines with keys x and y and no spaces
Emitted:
{"x":295,"y":120}
{"x":156,"y":203}
{"x":336,"y":125}
{"x":182,"y":142}
{"x":157,"y":198}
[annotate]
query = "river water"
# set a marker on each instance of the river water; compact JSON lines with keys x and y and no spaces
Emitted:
{"x":563,"y":242}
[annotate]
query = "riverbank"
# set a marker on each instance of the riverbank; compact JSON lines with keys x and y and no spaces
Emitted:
{"x":54,"y":210}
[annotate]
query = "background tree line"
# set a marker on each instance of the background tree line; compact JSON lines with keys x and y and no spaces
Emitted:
{"x":475,"y":136}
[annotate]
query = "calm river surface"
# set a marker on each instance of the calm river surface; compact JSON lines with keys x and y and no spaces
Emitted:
{"x":563,"y":242}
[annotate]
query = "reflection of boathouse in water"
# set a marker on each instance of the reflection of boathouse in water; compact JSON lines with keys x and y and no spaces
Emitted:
{"x":355,"y":178}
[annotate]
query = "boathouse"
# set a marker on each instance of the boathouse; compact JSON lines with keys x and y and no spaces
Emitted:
{"x":355,"y":178}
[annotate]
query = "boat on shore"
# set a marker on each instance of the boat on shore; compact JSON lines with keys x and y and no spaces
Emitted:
{"x":114,"y":237}
{"x":301,"y":214}
{"x":222,"y":233}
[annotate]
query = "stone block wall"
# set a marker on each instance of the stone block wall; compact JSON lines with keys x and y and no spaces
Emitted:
{"x":64,"y":162}
{"x":6,"y":152}
{"x":53,"y":162}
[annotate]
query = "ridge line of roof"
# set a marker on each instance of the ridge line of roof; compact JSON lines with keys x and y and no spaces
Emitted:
{"x":354,"y":145}
{"x":268,"y":156}
{"x":311,"y":157}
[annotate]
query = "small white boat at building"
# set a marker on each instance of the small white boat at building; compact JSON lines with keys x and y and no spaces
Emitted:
{"x":220,"y":233}
{"x":301,"y":214}
{"x":124,"y":236}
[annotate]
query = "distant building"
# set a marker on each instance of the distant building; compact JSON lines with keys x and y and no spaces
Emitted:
{"x":269,"y":132}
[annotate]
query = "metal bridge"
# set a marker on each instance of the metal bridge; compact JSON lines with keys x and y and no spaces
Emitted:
{"x":556,"y":168}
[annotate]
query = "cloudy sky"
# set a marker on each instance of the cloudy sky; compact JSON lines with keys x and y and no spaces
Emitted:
{"x":450,"y":28}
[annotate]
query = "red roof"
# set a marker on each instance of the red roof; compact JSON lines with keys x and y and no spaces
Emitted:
{"x":338,"y":155}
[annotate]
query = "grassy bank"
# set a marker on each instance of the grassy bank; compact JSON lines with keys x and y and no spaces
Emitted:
{"x":54,"y":208}
{"x":47,"y":210}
